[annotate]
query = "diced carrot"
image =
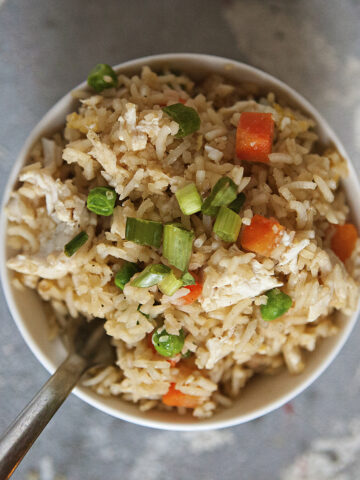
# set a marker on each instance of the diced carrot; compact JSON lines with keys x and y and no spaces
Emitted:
{"x":194,"y":291}
{"x":262,"y":235}
{"x":343,"y":241}
{"x":254,"y":136}
{"x":175,"y":398}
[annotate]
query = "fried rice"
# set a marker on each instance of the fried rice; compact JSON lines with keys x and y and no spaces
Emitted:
{"x":123,"y":139}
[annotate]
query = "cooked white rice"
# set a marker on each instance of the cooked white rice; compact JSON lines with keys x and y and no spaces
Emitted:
{"x":123,"y":139}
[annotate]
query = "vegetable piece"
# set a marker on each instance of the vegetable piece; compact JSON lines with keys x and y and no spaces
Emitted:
{"x":175,"y":398}
{"x":101,"y":200}
{"x":144,"y":232}
{"x":227,"y":225}
{"x":189,"y":199}
{"x":188,"y":279}
{"x":277,"y":304}
{"x":254,"y":136}
{"x":166,"y":344}
{"x":343,"y":241}
{"x":74,"y":244}
{"x":223,"y":193}
{"x":187,"y":118}
{"x":101,"y":77}
{"x":194,"y":293}
{"x":125,"y":273}
{"x":170,"y":284}
{"x":237,"y":204}
{"x":177,"y":245}
{"x":151,"y":275}
{"x":146,"y":315}
{"x":262,"y":235}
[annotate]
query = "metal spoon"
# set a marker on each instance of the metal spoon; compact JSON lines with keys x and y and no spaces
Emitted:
{"x":88,"y":346}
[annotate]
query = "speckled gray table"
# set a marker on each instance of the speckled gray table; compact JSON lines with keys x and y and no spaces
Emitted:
{"x":47,"y":47}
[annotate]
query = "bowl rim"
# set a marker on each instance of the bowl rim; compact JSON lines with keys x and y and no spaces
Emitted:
{"x":81,"y":392}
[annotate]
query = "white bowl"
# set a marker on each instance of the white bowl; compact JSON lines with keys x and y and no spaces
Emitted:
{"x":262,"y":394}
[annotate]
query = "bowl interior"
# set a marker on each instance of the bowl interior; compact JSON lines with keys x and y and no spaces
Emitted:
{"x":263,"y":393}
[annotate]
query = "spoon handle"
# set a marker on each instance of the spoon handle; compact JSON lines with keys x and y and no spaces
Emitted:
{"x":23,"y":432}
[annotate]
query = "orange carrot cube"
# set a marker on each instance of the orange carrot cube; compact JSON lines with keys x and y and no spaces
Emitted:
{"x":175,"y":398}
{"x":254,"y":136}
{"x":343,"y":241}
{"x":262,"y":235}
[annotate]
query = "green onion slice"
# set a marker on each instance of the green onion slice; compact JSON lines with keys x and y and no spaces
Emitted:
{"x":144,"y":232}
{"x":170,"y":284}
{"x":187,"y":118}
{"x":101,"y":200}
{"x":177,"y":245}
{"x":168,"y":345}
{"x":125,"y":273}
{"x":151,"y":275}
{"x":101,"y":77}
{"x":223,"y":193}
{"x":189,"y":199}
{"x":277,"y":304}
{"x":188,"y":279}
{"x":74,"y":244}
{"x":237,"y":204}
{"x":227,"y":225}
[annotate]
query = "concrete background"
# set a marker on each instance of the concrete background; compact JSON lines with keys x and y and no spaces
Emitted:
{"x":47,"y":47}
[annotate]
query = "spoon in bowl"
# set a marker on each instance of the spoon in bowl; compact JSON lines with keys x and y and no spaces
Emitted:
{"x":88,"y":346}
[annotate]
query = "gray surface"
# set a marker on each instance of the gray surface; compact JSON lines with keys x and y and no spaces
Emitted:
{"x":48,"y":46}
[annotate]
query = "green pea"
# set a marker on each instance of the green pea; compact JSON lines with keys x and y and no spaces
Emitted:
{"x":277,"y":304}
{"x":101,"y":200}
{"x":168,"y":345}
{"x":101,"y":77}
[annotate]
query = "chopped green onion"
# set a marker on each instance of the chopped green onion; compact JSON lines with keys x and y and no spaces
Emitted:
{"x":146,"y":315}
{"x":74,"y":244}
{"x":187,"y":118}
{"x":125,"y":273}
{"x":151,"y":275}
{"x":101,"y":77}
{"x":177,"y":245}
{"x":101,"y":200}
{"x":168,"y":345}
{"x":237,"y":204}
{"x":170,"y":284}
{"x":189,"y":199}
{"x":144,"y":232}
{"x":277,"y":304}
{"x":223,"y":193}
{"x":188,"y":279}
{"x":227,"y":225}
